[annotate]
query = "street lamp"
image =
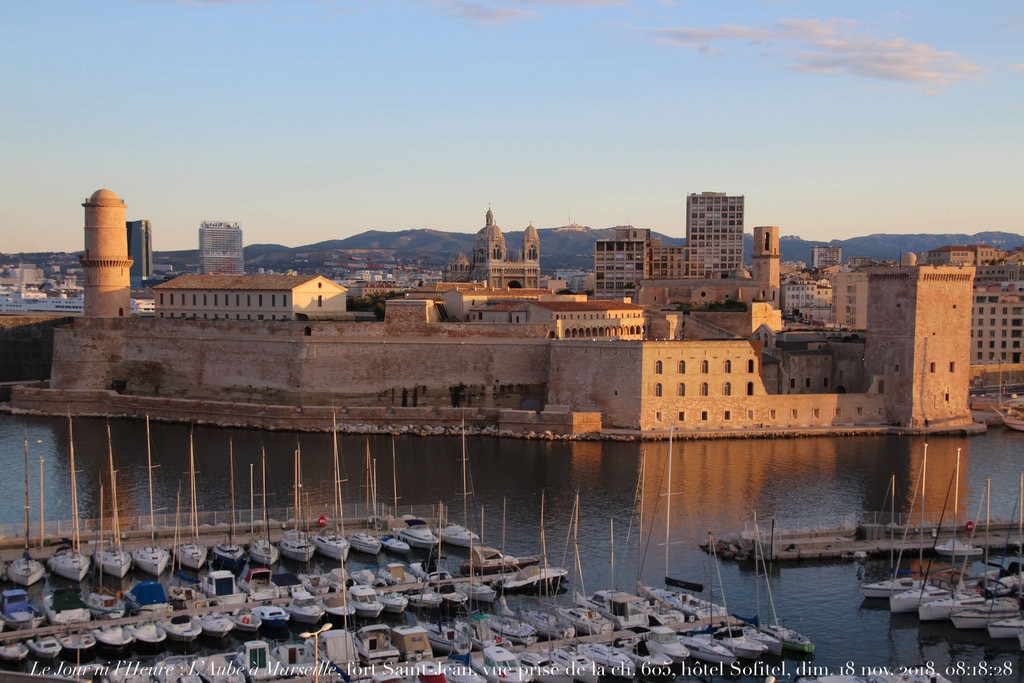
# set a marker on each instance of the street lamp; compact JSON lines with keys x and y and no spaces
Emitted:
{"x":315,"y":635}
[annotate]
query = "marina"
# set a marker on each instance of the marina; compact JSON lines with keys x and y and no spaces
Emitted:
{"x":800,"y":484}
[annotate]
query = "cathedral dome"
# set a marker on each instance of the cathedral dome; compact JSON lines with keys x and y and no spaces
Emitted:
{"x":490,"y":242}
{"x":458,"y":259}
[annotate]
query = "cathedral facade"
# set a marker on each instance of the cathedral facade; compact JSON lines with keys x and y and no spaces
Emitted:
{"x":493,"y":264}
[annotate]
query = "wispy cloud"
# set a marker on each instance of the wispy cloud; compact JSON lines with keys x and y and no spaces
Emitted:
{"x":498,"y":11}
{"x":833,"y":47}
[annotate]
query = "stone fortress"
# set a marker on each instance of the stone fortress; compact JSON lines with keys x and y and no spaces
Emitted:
{"x":728,"y":375}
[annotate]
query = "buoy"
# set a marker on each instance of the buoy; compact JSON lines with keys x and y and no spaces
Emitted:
{"x":322,"y":521}
{"x":246,"y":619}
{"x":969,"y":526}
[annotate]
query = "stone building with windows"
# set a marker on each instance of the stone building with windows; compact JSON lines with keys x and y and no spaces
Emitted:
{"x":251,"y":297}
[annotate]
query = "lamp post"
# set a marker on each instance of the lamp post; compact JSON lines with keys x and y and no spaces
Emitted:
{"x":315,"y":635}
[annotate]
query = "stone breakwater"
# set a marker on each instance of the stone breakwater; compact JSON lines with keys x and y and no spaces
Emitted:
{"x":553,"y":423}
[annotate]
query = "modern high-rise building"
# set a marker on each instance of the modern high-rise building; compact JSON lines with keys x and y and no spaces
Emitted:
{"x":714,"y":233}
{"x":826,"y":257}
{"x":140,"y":248}
{"x":620,"y":263}
{"x":220,"y":249}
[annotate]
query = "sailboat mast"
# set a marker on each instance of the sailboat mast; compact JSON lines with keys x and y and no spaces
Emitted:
{"x":75,"y":540}
{"x":263,"y":470}
{"x":42,"y":523}
{"x":956,"y":497}
{"x":115,"y":526}
{"x":231,"y":488}
{"x":26,"y":490}
{"x":149,"y":472}
{"x":924,"y":473}
{"x":194,"y":518}
{"x":668,"y":498}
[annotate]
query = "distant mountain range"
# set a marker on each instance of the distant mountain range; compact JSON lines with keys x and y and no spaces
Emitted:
{"x":560,"y":248}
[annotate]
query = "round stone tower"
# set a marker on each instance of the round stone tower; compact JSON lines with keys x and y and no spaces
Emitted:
{"x":106,"y":262}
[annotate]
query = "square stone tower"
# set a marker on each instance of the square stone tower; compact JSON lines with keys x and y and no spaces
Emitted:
{"x":917,"y":351}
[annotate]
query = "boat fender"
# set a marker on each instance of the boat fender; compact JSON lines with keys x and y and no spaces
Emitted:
{"x":246,"y":619}
{"x":969,"y":526}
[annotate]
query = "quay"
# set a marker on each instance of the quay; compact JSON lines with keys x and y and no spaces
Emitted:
{"x":860,"y":540}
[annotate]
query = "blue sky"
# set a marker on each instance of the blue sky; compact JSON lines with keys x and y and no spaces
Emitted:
{"x":308,"y":120}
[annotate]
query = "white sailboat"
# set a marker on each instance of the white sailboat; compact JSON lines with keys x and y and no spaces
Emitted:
{"x":333,"y":544}
{"x":295,"y":543}
{"x":953,"y":548}
{"x":896,"y":583}
{"x":230,"y":555}
{"x":193,"y":553}
{"x":26,"y":570}
{"x":364,"y":541}
{"x":68,"y":561}
{"x":460,"y":535}
{"x":261,"y":550}
{"x":115,"y":560}
{"x":151,"y":559}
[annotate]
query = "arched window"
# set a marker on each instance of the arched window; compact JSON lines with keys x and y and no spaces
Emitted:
{"x":658,"y":368}
{"x":682,"y":367}
{"x":657,"y":390}
{"x":750,"y":388}
{"x":682,"y":389}
{"x":728,"y":366}
{"x":750,"y":365}
{"x":703,"y":388}
{"x":704,"y":367}
{"x":727,"y":389}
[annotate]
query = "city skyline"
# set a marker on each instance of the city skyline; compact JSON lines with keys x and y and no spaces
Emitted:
{"x":312,"y":120}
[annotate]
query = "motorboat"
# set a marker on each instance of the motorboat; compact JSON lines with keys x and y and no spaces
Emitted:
{"x":257,"y":661}
{"x":486,"y":560}
{"x":735,"y":638}
{"x":394,"y":545}
{"x":980,"y":616}
{"x":958,"y":550}
{"x":114,"y":637}
{"x":394,"y":602}
{"x":374,"y":646}
{"x":304,"y":608}
{"x":664,"y":640}
{"x":68,"y":563}
{"x":883,"y":589}
{"x":272,"y":616}
{"x":426,"y":598}
{"x":25,"y":570}
{"x":458,"y":672}
{"x":417,"y":533}
{"x":103,"y":604}
{"x":245,"y":621}
{"x":148,"y":634}
{"x":530,"y":579}
{"x":451,"y":597}
{"x":44,"y":647}
{"x":18,"y":612}
{"x":258,"y":585}
{"x":693,"y":607}
{"x":216,"y":624}
{"x":610,"y":661}
{"x":337,"y":606}
{"x":458,"y":536}
{"x":364,"y":542}
{"x":183,"y":596}
{"x":151,"y":559}
{"x":625,"y":610}
{"x":148,"y":596}
{"x":65,"y":606}
{"x":498,"y":665}
{"x":412,"y":643}
{"x":430,"y":671}
{"x":181,"y":628}
{"x":365,"y":601}
{"x":395,"y":574}
{"x":478,"y":629}
{"x":220,"y":584}
{"x":650,"y":664}
{"x":76,"y":644}
{"x":476,"y":591}
{"x":15,"y":651}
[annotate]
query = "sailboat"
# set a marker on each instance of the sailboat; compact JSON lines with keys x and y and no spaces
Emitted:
{"x":790,"y":639}
{"x":333,"y":544}
{"x":954,"y":548}
{"x":295,"y":543}
{"x":151,"y":559}
{"x":896,"y":583}
{"x":364,"y":541}
{"x":261,"y":550}
{"x":115,"y":560}
{"x":25,"y":570}
{"x":457,"y":534}
{"x":192,"y":554}
{"x":230,"y":555}
{"x":68,"y":561}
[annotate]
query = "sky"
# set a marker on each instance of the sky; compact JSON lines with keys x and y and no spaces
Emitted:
{"x":310,"y":120}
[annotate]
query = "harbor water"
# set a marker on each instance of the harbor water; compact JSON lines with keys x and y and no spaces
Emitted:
{"x":625,"y":512}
